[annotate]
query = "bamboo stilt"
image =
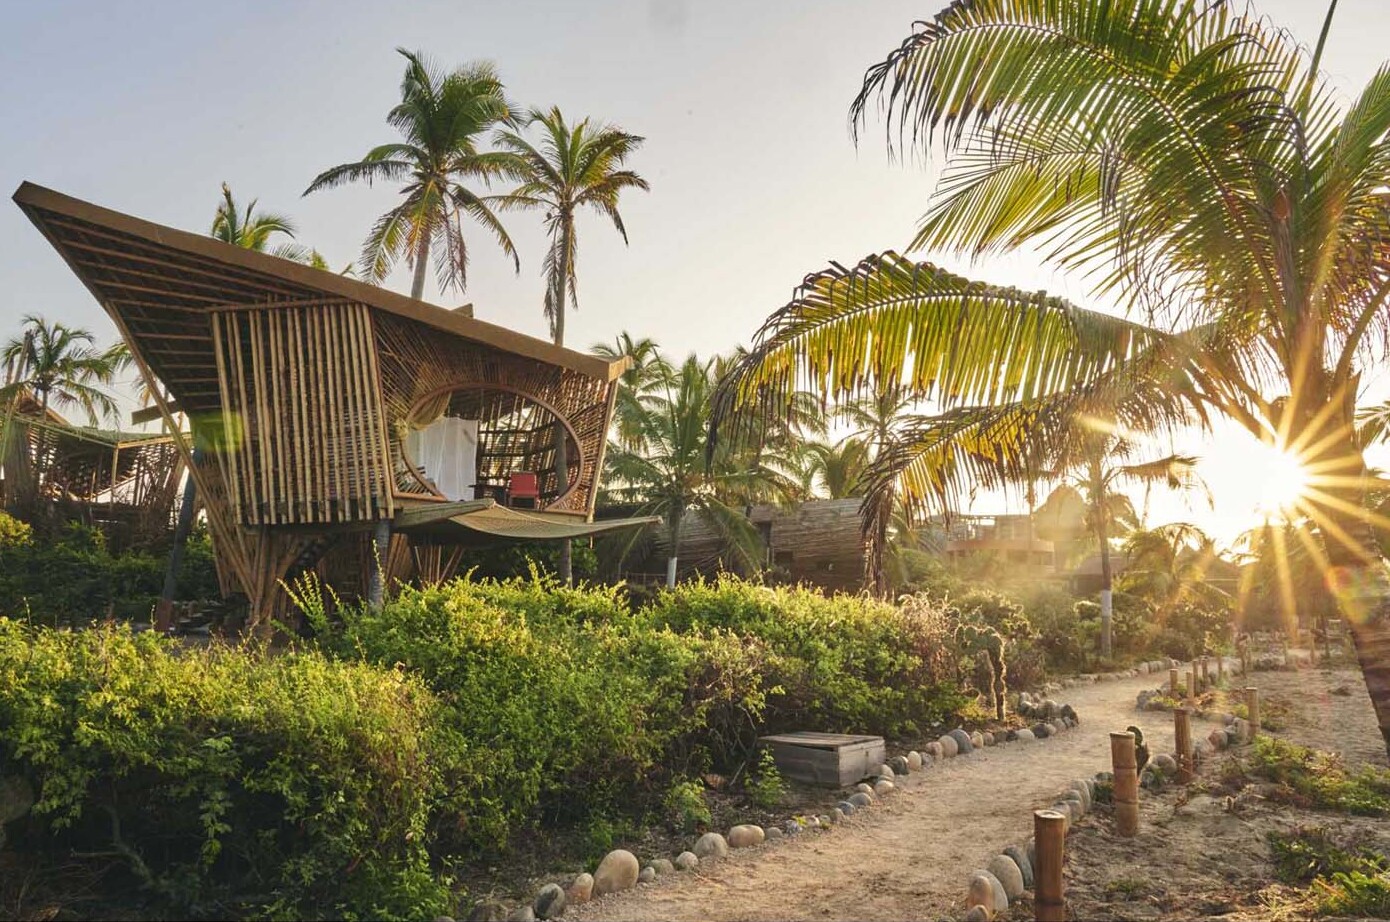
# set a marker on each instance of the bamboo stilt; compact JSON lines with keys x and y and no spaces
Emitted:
{"x":1252,"y":706}
{"x":1182,"y":736}
{"x":1126,"y":791}
{"x":1049,"y":842}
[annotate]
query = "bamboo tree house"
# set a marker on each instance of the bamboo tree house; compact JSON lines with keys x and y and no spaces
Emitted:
{"x":334,"y":422}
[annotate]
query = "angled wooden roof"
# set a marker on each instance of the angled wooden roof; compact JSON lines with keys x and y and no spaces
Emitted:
{"x":136,"y":266}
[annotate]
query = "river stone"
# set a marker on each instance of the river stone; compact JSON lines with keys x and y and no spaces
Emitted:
{"x":689,"y":861}
{"x":988,"y":738}
{"x":1058,"y":725}
{"x":1008,"y":874}
{"x":949,"y":746}
{"x":864,"y":787}
{"x":883,"y":771}
{"x":746,"y":836}
{"x":883,"y":788}
{"x":1166,"y":764}
{"x":935,"y":750}
{"x":977,"y":740}
{"x":710,"y":845}
{"x":1025,"y":734}
{"x":663,"y":866}
{"x":522,"y":914}
{"x":1041,"y":730}
{"x":488,"y":911}
{"x":1001,"y":899}
{"x":860,"y":799}
{"x":1025,"y":867}
{"x":618,"y":871}
{"x":1232,"y":737}
{"x":1069,"y":813}
{"x":976,"y":914}
{"x":1217,"y":737}
{"x":793,"y":828}
{"x":581,"y":889}
{"x":1084,"y":789}
{"x":846,"y":808}
{"x":1077,"y":798}
{"x":914,"y":761}
{"x":550,"y":902}
{"x":981,"y":892}
{"x":772,"y":834}
{"x":899,"y":765}
{"x":646,"y":875}
{"x":963,"y":744}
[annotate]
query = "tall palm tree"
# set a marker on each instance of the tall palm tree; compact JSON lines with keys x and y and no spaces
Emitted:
{"x":1170,"y":564}
{"x":1193,"y":164}
{"x":575,"y":167}
{"x":837,"y":470}
{"x":441,"y":118}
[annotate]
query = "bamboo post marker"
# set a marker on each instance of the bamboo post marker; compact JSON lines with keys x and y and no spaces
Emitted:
{"x":1173,"y":685}
{"x":1221,"y":668}
{"x":1126,"y":794}
{"x":1049,"y":841}
{"x":1182,"y":736}
{"x":1252,"y":706}
{"x":1195,"y":689}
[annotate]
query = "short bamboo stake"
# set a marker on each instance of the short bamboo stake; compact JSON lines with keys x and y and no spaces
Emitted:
{"x":1126,"y":791}
{"x":1049,"y":842}
{"x":1173,"y":684}
{"x":1206,"y":671}
{"x":1195,"y":689}
{"x":1221,"y":668}
{"x":1252,"y":707}
{"x":1182,"y":740}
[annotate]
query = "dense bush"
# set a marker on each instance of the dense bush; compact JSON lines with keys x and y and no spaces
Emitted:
{"x":75,"y":578}
{"x":296,"y":784}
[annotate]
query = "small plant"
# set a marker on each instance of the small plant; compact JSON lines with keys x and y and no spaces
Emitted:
{"x":1356,"y":895}
{"x":1323,"y":778}
{"x":685,"y":806}
{"x":1103,"y":792}
{"x":1305,"y":854}
{"x":766,"y":788}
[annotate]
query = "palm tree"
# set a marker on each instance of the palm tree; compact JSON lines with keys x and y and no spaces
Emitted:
{"x":575,"y":167}
{"x":645,"y":377}
{"x":1170,"y":564}
{"x":252,"y":231}
{"x":668,"y":474}
{"x":838,"y":469}
{"x":441,"y":118}
{"x":1195,"y":166}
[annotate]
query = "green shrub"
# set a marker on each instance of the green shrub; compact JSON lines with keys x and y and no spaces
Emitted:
{"x":1355,"y":895}
{"x":226,"y":775}
{"x":685,"y":806}
{"x":1323,"y":778}
{"x":1305,"y":854}
{"x":766,"y":788}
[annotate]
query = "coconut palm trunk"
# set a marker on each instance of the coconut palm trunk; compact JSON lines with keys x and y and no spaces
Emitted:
{"x":422,"y":262}
{"x":673,"y":561}
{"x":1107,"y":590}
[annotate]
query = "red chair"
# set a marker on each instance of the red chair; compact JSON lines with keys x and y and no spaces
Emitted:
{"x":524,"y":490}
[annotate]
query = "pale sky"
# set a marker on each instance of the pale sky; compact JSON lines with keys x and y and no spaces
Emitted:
{"x":755,"y":181}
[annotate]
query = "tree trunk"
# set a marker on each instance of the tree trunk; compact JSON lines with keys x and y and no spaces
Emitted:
{"x":562,"y":466}
{"x":1106,"y":584}
{"x":1357,"y":574}
{"x":164,"y":610}
{"x":422,"y":262}
{"x":675,"y":526}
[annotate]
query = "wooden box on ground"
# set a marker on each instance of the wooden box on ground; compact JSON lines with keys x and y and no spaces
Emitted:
{"x":830,"y":759}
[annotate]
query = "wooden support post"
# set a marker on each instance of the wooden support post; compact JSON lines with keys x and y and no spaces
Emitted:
{"x":1049,"y":843}
{"x":1206,"y":671}
{"x":1182,"y":740}
{"x":1252,"y":707}
{"x":164,"y":609}
{"x":381,"y":548}
{"x":1126,"y":793}
{"x":1221,"y":668}
{"x":1173,"y":684}
{"x":1194,"y":690}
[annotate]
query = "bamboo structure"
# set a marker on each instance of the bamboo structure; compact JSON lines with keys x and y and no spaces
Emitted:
{"x":1252,"y":707}
{"x":1173,"y":684}
{"x":1049,"y":842}
{"x":302,"y":389}
{"x":1126,"y":794}
{"x":1182,"y":741}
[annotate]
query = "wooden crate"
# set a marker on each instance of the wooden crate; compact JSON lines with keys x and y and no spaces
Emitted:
{"x":829,"y":759}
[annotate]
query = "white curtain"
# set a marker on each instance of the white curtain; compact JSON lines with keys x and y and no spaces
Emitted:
{"x":448,"y":451}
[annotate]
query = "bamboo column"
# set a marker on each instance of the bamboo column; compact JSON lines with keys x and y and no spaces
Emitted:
{"x":1221,"y":668}
{"x":1049,"y":841}
{"x":1252,"y":706}
{"x":1173,"y":684}
{"x":1195,"y":689}
{"x":1126,"y":794}
{"x":1182,"y":736}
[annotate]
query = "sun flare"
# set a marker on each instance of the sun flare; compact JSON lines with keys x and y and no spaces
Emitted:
{"x":1283,"y":480}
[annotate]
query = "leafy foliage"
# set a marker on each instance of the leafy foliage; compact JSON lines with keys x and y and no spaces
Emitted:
{"x":213,"y":771}
{"x":1323,"y":778}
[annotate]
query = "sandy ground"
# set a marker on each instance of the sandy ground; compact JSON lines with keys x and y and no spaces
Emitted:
{"x":1204,"y":852}
{"x":910,"y":856}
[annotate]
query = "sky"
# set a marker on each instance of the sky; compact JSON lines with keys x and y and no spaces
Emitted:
{"x":755,"y":180}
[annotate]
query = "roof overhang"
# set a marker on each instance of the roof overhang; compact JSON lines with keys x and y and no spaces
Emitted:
{"x":478,"y":520}
{"x":41,"y":205}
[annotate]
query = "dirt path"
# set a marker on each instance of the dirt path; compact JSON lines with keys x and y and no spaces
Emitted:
{"x":909,"y":857}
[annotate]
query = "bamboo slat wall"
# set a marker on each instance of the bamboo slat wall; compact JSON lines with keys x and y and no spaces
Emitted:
{"x":303,"y":440}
